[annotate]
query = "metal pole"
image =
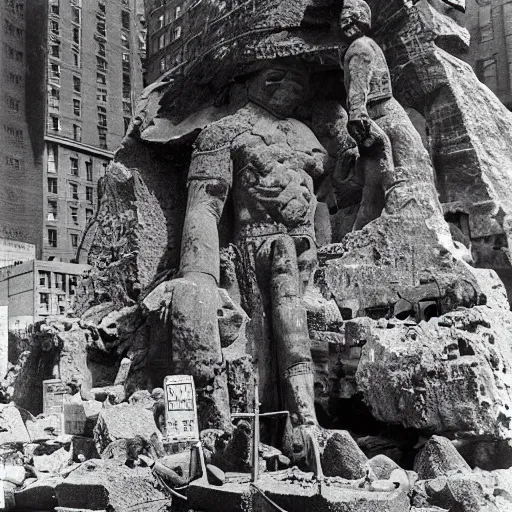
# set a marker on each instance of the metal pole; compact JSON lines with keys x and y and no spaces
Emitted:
{"x":255,"y":433}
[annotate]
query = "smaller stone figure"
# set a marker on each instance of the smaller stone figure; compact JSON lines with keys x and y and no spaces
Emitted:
{"x":397,"y":168}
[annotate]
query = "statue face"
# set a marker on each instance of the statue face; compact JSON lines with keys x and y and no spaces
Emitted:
{"x":355,"y":18}
{"x":280,"y":90}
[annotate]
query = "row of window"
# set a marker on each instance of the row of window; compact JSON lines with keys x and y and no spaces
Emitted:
{"x":13,"y":104}
{"x":167,"y":17}
{"x":15,"y":7}
{"x":73,"y":212}
{"x":13,"y":54}
{"x":53,"y":242}
{"x":59,"y":281}
{"x":14,"y":133}
{"x":13,"y":30}
{"x":13,"y":162}
{"x":166,"y":38}
{"x":44,"y":304}
{"x":73,"y":190}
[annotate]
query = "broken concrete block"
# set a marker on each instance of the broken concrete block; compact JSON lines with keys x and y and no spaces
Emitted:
{"x":12,"y":428}
{"x":382,"y":486}
{"x":39,"y":495}
{"x":108,"y":484}
{"x":439,"y":457}
{"x":43,"y":427}
{"x":80,"y":416}
{"x":382,"y":466}
{"x":342,"y":457}
{"x":123,"y":421}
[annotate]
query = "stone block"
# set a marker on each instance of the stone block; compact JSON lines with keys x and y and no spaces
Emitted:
{"x":215,"y":475}
{"x":342,"y":457}
{"x":382,"y":466}
{"x":39,"y":495}
{"x":439,"y":457}
{"x":108,"y":484}
{"x":53,"y":463}
{"x":14,"y":474}
{"x":123,"y":421}
{"x":12,"y":428}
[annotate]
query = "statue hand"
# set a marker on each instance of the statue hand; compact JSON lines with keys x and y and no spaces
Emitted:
{"x":359,"y":129}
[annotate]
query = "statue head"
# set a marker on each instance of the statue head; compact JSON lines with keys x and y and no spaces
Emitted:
{"x":280,"y":89}
{"x":355,"y":19}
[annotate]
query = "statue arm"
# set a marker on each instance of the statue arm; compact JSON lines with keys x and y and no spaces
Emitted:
{"x":358,"y":71}
{"x":208,"y":185}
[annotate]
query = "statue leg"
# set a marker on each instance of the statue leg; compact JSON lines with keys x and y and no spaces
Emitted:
{"x":289,"y":320}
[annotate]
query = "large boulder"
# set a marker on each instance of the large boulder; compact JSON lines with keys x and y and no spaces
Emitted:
{"x":12,"y":428}
{"x":123,"y":421}
{"x":448,"y":375}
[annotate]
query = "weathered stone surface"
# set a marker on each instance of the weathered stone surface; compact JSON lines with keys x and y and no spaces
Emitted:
{"x":12,"y":428}
{"x":342,"y":457}
{"x":438,"y":457}
{"x":215,"y":475}
{"x":123,"y":421}
{"x":14,"y":474}
{"x":382,"y":466}
{"x":53,"y":463}
{"x":445,"y":376}
{"x":107,"y":485}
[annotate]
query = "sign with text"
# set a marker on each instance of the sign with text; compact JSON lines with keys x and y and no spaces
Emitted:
{"x":180,"y":408}
{"x":12,"y":252}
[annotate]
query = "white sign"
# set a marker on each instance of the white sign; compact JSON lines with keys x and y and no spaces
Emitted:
{"x":180,"y":408}
{"x":12,"y":252}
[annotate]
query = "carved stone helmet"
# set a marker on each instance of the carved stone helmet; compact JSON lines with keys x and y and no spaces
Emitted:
{"x":359,"y":12}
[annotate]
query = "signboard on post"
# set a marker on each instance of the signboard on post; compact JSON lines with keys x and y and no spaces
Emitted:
{"x":55,"y":395}
{"x":180,"y":409}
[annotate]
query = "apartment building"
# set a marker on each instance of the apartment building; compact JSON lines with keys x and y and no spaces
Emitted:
{"x":36,"y":289}
{"x":84,"y":75}
{"x":490,"y":55}
{"x":21,"y":199}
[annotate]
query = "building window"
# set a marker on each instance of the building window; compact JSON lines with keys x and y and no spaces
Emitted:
{"x":52,"y":210}
{"x":487,"y":72}
{"x":73,"y":283}
{"x":102,"y":135}
{"x":101,"y":79}
{"x":126,"y":121}
{"x":125,"y":20}
{"x":485,"y":23}
{"x":88,"y":170}
{"x":44,"y":279}
{"x":74,"y":214}
{"x":53,"y":99}
{"x":162,"y":65}
{"x":76,"y":107}
{"x":102,"y":116}
{"x":52,"y":185}
{"x":60,"y":281}
{"x":76,"y":59}
{"x":55,"y":50}
{"x":76,"y":35}
{"x":160,"y":22}
{"x":54,"y":123}
{"x":54,"y":7}
{"x":161,"y":41}
{"x":177,"y":12}
{"x":73,"y":191}
{"x":52,"y":158}
{"x":73,"y":166}
{"x":75,"y":15}
{"x":101,"y":7}
{"x":12,"y":162}
{"x":125,"y":42}
{"x":55,"y":73}
{"x":77,"y":133}
{"x":54,"y":27}
{"x":13,"y":104}
{"x":89,"y":194}
{"x":44,"y":301}
{"x":52,"y":237}
{"x":101,"y":94}
{"x":101,"y":49}
{"x":88,"y":214}
{"x":101,"y":64}
{"x":176,"y":33}
{"x":74,"y":240}
{"x":100,"y":27}
{"x":77,"y":84}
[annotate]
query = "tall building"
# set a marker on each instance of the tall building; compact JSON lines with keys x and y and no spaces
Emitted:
{"x":168,"y":23}
{"x":21,"y":198}
{"x":490,"y":26}
{"x":84,"y":73}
